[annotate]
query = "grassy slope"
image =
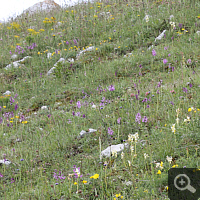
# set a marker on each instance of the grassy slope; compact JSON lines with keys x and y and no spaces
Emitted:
{"x":56,"y":146}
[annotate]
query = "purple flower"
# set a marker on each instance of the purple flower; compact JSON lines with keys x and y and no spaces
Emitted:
{"x":144,"y":100}
{"x":16,"y":106}
{"x":169,"y":55}
{"x":189,"y":61}
{"x":67,"y":42}
{"x":171,"y":102}
{"x":22,"y":160}
{"x":154,"y":52}
{"x":110,"y":131}
{"x":1,"y":175}
{"x":138,"y":92}
{"x":78,"y":114}
{"x":79,"y":104}
{"x":111,"y":88}
{"x":118,"y":120}
{"x":138,"y":118}
{"x":165,"y":48}
{"x":15,"y":96}
{"x":180,"y":25}
{"x":158,"y":92}
{"x":136,"y":96}
{"x":0,"y":108}
{"x":190,"y":85}
{"x":172,"y":69}
{"x":84,"y":116}
{"x":10,"y":52}
{"x":172,"y":38}
{"x":145,"y":119}
{"x":147,"y":106}
{"x":49,"y":115}
{"x":12,"y":180}
{"x":185,"y":90}
{"x":159,"y":84}
{"x":140,"y":66}
{"x":165,"y":61}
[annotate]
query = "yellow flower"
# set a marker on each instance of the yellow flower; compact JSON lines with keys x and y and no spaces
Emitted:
{"x":4,"y":106}
{"x":24,"y":122}
{"x":41,"y":30}
{"x":38,"y":53}
{"x":16,"y":36}
{"x":96,"y":49}
{"x":174,"y":166}
{"x":95,"y":16}
{"x":75,"y":183}
{"x":165,"y":125}
{"x":138,"y":15}
{"x":17,"y":117}
{"x":11,"y":121}
{"x":95,"y":176}
{"x":84,"y":181}
{"x":189,"y":109}
{"x":122,"y":197}
{"x":159,"y":172}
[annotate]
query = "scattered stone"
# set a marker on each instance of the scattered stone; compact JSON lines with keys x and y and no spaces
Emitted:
{"x":161,"y":35}
{"x":114,"y":148}
{"x":90,"y":130}
{"x":5,"y":161}
{"x":14,"y":56}
{"x":44,"y":108}
{"x":17,"y":63}
{"x":7,"y":93}
{"x":83,"y":51}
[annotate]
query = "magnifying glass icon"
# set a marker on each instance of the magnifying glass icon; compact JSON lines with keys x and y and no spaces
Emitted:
{"x":183,"y":183}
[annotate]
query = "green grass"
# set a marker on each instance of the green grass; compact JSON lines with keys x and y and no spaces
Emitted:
{"x":40,"y":143}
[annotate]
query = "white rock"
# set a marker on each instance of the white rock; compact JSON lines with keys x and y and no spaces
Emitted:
{"x":44,"y":108}
{"x":198,"y":32}
{"x":14,"y":56}
{"x":71,"y":60}
{"x":16,"y":63}
{"x":94,"y":106}
{"x":92,"y":130}
{"x":7,"y":92}
{"x":61,"y":60}
{"x":6,"y":162}
{"x":82,"y":133}
{"x":161,"y":35}
{"x":83,"y":51}
{"x":113,"y":148}
{"x":51,"y":71}
{"x":46,"y":5}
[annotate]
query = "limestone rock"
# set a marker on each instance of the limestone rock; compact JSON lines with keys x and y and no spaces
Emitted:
{"x":17,"y":63}
{"x":7,"y":93}
{"x":90,"y":130}
{"x":47,"y":5}
{"x":114,"y":148}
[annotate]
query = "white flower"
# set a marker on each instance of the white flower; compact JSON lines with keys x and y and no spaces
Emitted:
{"x":122,"y":155}
{"x":129,"y":163}
{"x":146,"y":156}
{"x":172,"y":24}
{"x":169,"y":159}
{"x":132,"y":148}
{"x":177,"y":120}
{"x":114,"y":154}
{"x":173,"y":128}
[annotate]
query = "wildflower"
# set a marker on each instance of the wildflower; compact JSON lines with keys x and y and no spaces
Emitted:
{"x":138,"y":118}
{"x":79,"y":104}
{"x":95,"y":176}
{"x":75,"y":183}
{"x":1,"y":175}
{"x":189,"y":61}
{"x":185,"y":90}
{"x":145,"y":119}
{"x":165,"y":61}
{"x":159,"y":172}
{"x":110,"y":131}
{"x":189,"y":109}
{"x":122,"y":155}
{"x":114,"y":154}
{"x":16,"y":107}
{"x":111,"y":88}
{"x":84,"y":181}
{"x":173,"y":128}
{"x":146,"y":156}
{"x":154,"y":52}
{"x":169,"y":159}
{"x":118,"y":120}
{"x":174,"y":166}
{"x":77,"y":171}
